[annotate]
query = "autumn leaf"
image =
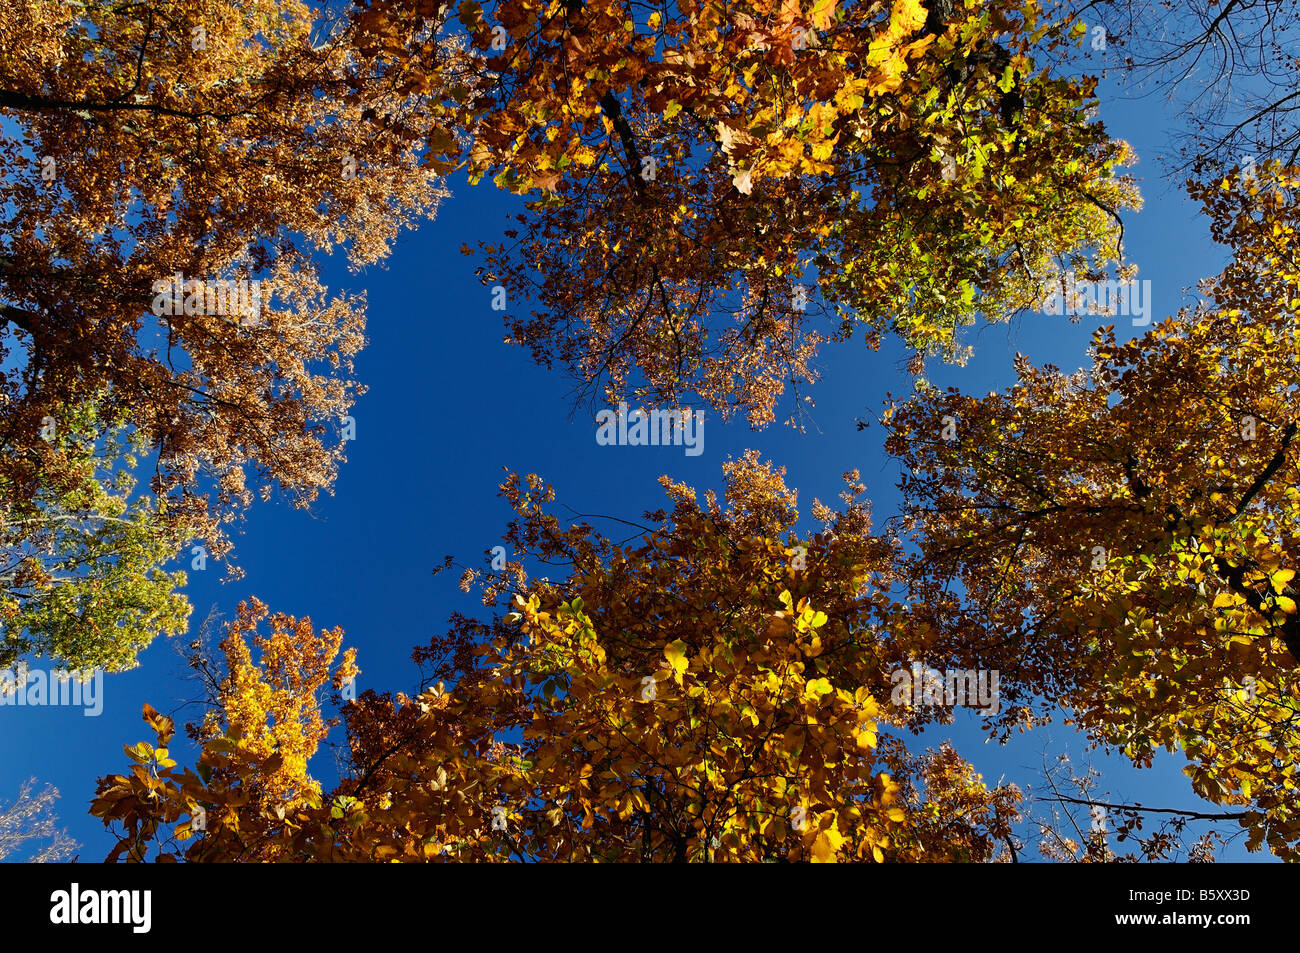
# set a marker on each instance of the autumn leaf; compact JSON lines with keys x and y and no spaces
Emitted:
{"x":826,"y":846}
{"x":675,"y":652}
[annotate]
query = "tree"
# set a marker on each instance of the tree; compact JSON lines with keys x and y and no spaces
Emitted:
{"x":82,"y":581}
{"x":716,"y":692}
{"x":718,"y":190}
{"x":29,"y":821}
{"x":1075,"y":821}
{"x":1230,"y":67}
{"x":170,"y":171}
{"x":1122,"y":540}
{"x":265,"y":726}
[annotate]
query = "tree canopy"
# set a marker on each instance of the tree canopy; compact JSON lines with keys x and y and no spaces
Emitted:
{"x":1124,"y":537}
{"x":722,"y":190}
{"x":708,"y":194}
{"x":152,"y":152}
{"x":717,"y":692}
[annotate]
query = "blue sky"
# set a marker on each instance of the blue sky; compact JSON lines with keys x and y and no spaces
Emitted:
{"x":449,"y":406}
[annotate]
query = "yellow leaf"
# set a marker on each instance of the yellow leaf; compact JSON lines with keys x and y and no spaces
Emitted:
{"x":821,"y":13}
{"x":822,"y":150}
{"x":906,"y":17}
{"x":817,"y":688}
{"x":675,"y":652}
{"x":827,"y":846}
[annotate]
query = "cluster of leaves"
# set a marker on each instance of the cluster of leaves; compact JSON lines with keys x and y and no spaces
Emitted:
{"x":699,"y":164}
{"x":217,"y":141}
{"x":1125,"y":538}
{"x":694,"y":697}
{"x":81,"y":557}
{"x":256,"y":745}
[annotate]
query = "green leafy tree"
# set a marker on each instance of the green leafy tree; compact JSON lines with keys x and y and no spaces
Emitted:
{"x":82,"y":577}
